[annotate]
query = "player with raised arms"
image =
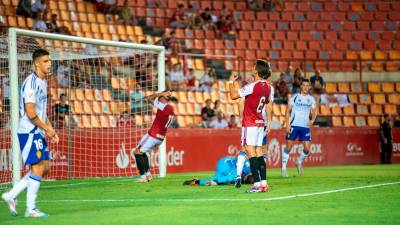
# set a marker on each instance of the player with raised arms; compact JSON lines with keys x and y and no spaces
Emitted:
{"x":155,"y":136}
{"x":298,"y":124}
{"x":257,"y":95}
{"x":33,"y":126}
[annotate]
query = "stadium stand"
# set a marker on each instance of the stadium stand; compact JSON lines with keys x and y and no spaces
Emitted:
{"x":286,"y":37}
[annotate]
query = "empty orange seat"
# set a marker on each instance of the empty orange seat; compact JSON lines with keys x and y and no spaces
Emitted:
{"x":348,"y":121}
{"x":343,"y":87}
{"x":362,"y":110}
{"x":366,"y":55}
{"x":392,"y":66}
{"x":390,"y":109}
{"x":373,"y":121}
{"x":182,"y":96}
{"x":377,"y":66}
{"x":105,"y":107}
{"x":394,"y":54}
{"x":349,"y":110}
{"x":360,"y":121}
{"x":337,"y":121}
{"x":96,"y":107}
{"x":374,"y":87}
{"x":78,"y":121}
{"x":394,"y":98}
{"x":376,"y":109}
{"x":181,"y":121}
{"x":95,"y":121}
{"x":356,"y":87}
{"x":380,"y":55}
{"x":379,"y":99}
{"x":353,"y":98}
{"x":365,"y":98}
{"x":388,"y":87}
{"x":86,"y":122}
{"x":331,"y":87}
{"x":336,"y":110}
{"x":351,"y":55}
{"x":324,"y":110}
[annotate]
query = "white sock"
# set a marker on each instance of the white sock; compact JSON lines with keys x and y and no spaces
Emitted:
{"x":263,"y":183}
{"x":33,"y":188}
{"x":285,"y":158}
{"x":19,"y":187}
{"x":257,"y":184}
{"x":147,"y":174}
{"x":303,"y":155}
{"x":241,"y":158}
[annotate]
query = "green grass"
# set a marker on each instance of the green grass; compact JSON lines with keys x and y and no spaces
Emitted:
{"x":167,"y":201}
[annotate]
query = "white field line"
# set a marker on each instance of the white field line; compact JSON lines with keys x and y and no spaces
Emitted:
{"x":221,"y":199}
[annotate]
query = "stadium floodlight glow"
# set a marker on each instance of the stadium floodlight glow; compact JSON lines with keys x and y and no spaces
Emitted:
{"x":89,"y":67}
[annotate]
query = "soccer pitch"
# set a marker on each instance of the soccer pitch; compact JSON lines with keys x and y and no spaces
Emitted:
{"x":368,"y":194}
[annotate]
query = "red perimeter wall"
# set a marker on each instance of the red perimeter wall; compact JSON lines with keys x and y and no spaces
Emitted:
{"x":99,"y":152}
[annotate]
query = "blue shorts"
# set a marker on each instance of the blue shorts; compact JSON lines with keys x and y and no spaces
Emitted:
{"x":303,"y":133}
{"x":265,"y":136}
{"x":33,"y":148}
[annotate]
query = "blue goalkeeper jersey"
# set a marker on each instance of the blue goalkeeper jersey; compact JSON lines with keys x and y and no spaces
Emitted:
{"x":226,"y":171}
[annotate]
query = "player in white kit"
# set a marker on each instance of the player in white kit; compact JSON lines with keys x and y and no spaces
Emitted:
{"x":33,"y":126}
{"x":298,"y":124}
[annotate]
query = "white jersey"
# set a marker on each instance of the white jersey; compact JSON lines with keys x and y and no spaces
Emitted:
{"x":33,"y":90}
{"x":301,"y":105}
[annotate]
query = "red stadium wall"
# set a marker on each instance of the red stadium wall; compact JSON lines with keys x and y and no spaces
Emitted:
{"x":101,"y":153}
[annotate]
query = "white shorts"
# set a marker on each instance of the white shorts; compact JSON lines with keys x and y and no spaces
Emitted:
{"x":252,"y":136}
{"x":147,"y":143}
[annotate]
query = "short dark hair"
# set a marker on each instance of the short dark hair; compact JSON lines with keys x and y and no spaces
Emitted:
{"x":305,"y":80}
{"x":385,"y":115}
{"x":263,"y":68}
{"x":39,"y":53}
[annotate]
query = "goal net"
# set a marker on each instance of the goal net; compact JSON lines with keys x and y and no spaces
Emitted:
{"x":95,"y":92}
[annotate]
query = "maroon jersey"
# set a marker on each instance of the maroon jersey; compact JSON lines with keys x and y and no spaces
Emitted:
{"x":164,"y":116}
{"x":257,"y":95}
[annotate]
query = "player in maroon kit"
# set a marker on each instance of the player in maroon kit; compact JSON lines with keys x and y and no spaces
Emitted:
{"x":155,"y":136}
{"x":257,"y":94}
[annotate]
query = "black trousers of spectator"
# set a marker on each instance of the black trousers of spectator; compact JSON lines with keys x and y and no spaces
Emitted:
{"x":386,"y":152}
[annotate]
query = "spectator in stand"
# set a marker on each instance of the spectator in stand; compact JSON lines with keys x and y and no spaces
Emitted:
{"x":207,"y":80}
{"x":253,"y":5}
{"x":53,"y":26}
{"x":232,"y":122}
{"x":177,"y":78}
{"x":39,"y":24}
{"x":125,"y":14}
{"x":191,"y":15}
{"x":288,"y":78}
{"x":317,"y":83}
{"x":269,"y":5}
{"x":219,"y":122}
{"x":61,"y":110}
{"x":217,"y":106}
{"x":178,"y":19}
{"x":191,"y":80}
{"x":298,"y":77}
{"x":24,"y":8}
{"x":39,"y":6}
{"x":125,"y":120}
{"x":63,"y":73}
{"x":207,"y":113}
{"x":282,"y":91}
{"x":208,"y":23}
{"x":106,"y":6}
{"x":227,"y":21}
{"x":171,"y":43}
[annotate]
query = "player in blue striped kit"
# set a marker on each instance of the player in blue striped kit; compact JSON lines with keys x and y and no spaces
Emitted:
{"x":33,"y":126}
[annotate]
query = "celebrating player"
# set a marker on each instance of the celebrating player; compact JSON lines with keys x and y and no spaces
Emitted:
{"x":298,"y":113}
{"x":33,"y":126}
{"x":156,"y":134}
{"x":257,"y":94}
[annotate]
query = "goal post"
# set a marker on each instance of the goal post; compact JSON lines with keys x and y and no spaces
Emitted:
{"x":141,"y":59}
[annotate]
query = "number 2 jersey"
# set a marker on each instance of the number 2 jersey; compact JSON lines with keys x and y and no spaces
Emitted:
{"x":164,"y":117}
{"x":257,"y":95}
{"x":33,"y":90}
